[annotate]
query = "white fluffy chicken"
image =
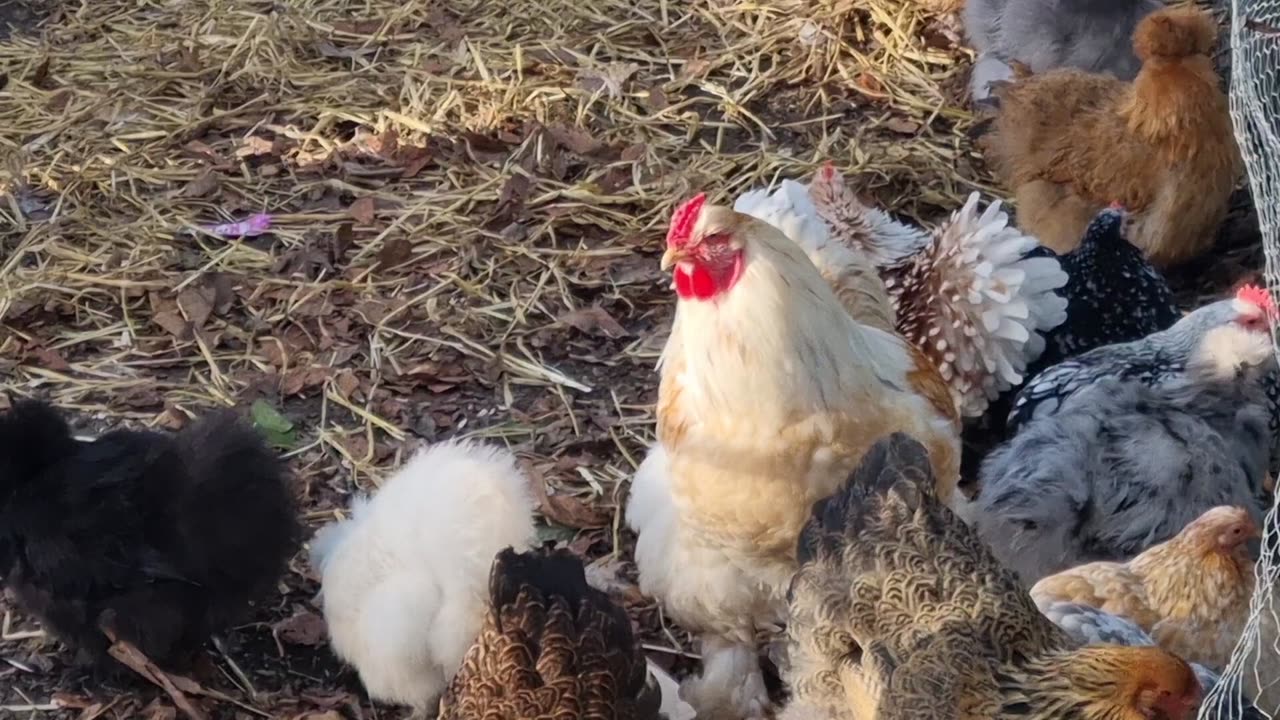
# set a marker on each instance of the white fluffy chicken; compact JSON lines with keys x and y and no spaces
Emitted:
{"x":770,"y":393}
{"x":404,"y":581}
{"x":964,"y":293}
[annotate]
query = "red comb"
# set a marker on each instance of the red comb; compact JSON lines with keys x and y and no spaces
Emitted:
{"x":684,"y":218}
{"x":827,"y":172}
{"x":1116,"y":205}
{"x":1257,"y":296}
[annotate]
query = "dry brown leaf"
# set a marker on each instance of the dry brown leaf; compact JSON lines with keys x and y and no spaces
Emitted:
{"x":367,"y":26}
{"x":395,"y":251}
{"x":197,"y":304}
{"x":692,"y":69}
{"x":71,"y":702}
{"x":133,"y":658}
{"x":902,"y":125}
{"x":594,"y":320}
{"x":303,"y":628}
{"x":565,"y":510}
{"x":256,"y":145}
{"x":51,"y":359}
{"x":576,"y":140}
{"x":347,"y":383}
{"x":608,"y":79}
{"x":299,"y":379}
{"x":173,"y":323}
{"x":202,"y":185}
{"x":363,"y":210}
{"x":412,"y":159}
{"x":511,"y":198}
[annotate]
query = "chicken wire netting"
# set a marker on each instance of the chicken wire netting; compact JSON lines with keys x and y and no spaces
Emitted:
{"x":1254,"y":671}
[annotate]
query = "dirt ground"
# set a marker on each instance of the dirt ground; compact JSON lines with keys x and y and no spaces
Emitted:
{"x":467,"y":201}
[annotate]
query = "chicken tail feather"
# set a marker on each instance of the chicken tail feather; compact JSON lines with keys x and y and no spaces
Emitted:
{"x":989,"y":324}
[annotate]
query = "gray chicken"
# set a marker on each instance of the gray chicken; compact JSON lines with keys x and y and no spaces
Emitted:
{"x":1092,"y":35}
{"x":1152,"y":360}
{"x":1122,"y":465}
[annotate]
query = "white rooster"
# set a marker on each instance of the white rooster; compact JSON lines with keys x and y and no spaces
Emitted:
{"x":964,"y":293}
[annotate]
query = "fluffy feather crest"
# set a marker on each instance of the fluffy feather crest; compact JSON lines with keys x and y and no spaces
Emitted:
{"x":683,"y":220}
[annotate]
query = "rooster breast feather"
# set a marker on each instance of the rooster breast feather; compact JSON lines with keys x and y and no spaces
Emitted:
{"x":403,"y":579}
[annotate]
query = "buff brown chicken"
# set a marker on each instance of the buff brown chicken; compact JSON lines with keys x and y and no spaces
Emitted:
{"x":900,"y":612}
{"x":551,"y":648}
{"x":1191,"y":593}
{"x":770,"y":392}
{"x":1067,"y":143}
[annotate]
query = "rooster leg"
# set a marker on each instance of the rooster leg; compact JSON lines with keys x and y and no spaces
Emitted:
{"x":731,"y":684}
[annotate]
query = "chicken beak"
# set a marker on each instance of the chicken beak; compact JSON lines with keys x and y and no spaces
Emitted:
{"x":672,"y":256}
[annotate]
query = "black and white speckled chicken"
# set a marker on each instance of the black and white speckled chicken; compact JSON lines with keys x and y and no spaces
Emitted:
{"x":1113,"y":293}
{"x":965,"y":293}
{"x":1150,"y":360}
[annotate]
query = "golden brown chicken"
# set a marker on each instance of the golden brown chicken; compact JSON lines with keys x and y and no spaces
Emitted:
{"x":900,"y":611}
{"x":551,"y":647}
{"x":770,"y":392}
{"x":1067,"y":143}
{"x":1191,"y":593}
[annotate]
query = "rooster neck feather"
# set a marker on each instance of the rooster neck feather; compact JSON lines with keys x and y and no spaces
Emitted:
{"x":779,"y":320}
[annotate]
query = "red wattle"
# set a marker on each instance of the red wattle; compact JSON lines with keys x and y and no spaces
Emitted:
{"x":697,"y":284}
{"x":700,"y":283}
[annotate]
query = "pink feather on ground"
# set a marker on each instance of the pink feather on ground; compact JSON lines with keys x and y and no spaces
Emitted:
{"x":683,"y":220}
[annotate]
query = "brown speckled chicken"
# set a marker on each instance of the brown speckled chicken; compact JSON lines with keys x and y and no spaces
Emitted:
{"x":1190,"y":593}
{"x":900,"y":611}
{"x":551,"y":647}
{"x":1067,"y":143}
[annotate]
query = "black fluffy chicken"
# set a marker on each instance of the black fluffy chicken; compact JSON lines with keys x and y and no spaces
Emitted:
{"x":164,"y":539}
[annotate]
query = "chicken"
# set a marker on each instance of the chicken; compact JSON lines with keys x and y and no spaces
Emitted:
{"x":163,"y":540}
{"x":1190,"y":592}
{"x":1122,"y":465}
{"x":403,"y":580}
{"x":1152,"y":360}
{"x":1113,"y":295}
{"x":1046,"y":34}
{"x":769,"y":393}
{"x":963,"y":294}
{"x":1067,"y":143}
{"x":1090,"y":626}
{"x":551,"y":647}
{"x":899,"y":611}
